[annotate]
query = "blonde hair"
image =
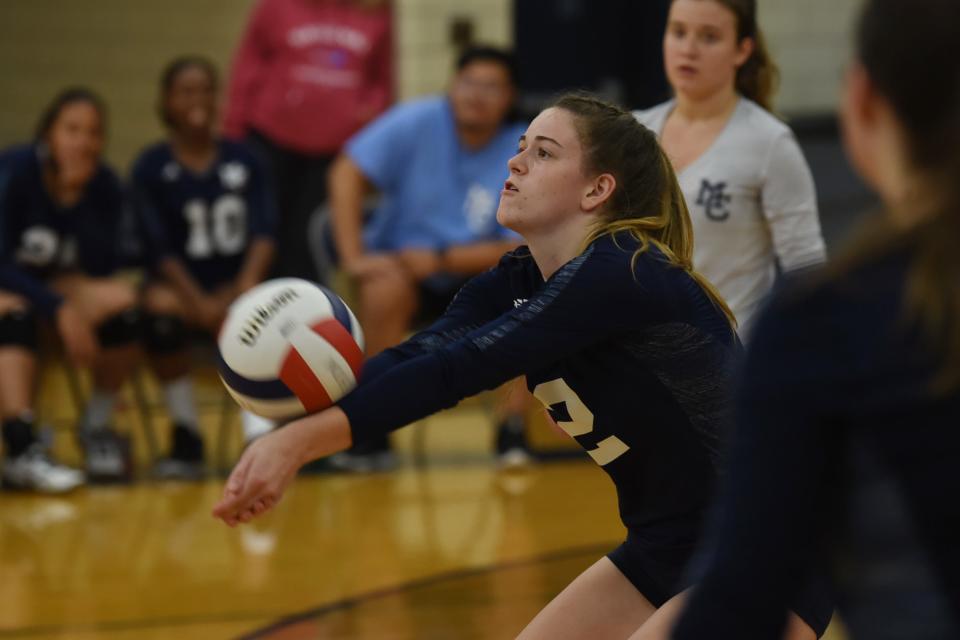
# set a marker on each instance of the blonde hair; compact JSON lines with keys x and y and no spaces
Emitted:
{"x":647,"y":202}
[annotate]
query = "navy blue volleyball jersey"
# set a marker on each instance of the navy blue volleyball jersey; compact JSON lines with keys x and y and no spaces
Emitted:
{"x":39,"y":238}
{"x":206,"y":220}
{"x":633,"y":361}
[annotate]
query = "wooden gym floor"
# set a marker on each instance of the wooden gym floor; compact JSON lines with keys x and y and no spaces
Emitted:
{"x":452,"y":549}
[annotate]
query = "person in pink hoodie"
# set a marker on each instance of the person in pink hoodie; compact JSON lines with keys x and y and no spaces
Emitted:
{"x":306,"y":76}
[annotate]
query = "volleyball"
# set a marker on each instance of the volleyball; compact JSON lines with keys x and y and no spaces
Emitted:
{"x":289,"y":347}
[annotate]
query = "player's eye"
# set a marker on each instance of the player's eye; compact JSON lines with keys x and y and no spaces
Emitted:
{"x":543,"y":153}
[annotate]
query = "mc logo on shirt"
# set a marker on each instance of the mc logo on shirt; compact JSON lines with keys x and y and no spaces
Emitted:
{"x":714,"y":200}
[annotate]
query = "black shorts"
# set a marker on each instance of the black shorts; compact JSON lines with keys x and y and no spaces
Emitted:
{"x":661,"y":572}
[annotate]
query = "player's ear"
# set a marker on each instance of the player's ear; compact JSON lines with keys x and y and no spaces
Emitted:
{"x":598,"y":192}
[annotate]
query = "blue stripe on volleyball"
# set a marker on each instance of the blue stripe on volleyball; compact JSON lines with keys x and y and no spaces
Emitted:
{"x":260,"y":389}
{"x":340,"y":311}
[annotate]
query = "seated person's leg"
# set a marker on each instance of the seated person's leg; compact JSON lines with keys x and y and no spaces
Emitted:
{"x":167,"y":341}
{"x":109,"y":305}
{"x":387,"y":304}
{"x":26,"y":464}
{"x":511,"y":444}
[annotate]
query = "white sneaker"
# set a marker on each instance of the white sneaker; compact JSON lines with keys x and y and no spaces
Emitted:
{"x":35,"y":470}
{"x":107,"y":456}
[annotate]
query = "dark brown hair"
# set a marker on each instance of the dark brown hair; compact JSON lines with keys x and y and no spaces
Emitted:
{"x":61,"y":101}
{"x":647,"y":201}
{"x":911,"y":52}
{"x":758,"y":77}
{"x":173,"y":69}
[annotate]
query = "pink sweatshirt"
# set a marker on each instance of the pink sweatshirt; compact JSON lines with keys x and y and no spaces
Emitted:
{"x":310,"y":73}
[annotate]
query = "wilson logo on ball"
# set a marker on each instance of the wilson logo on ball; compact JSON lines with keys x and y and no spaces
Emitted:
{"x":289,"y":347}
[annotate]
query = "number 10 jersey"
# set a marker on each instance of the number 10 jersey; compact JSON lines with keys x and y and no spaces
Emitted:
{"x":207,"y":220}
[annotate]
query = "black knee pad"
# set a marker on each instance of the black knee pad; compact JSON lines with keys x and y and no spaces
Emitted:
{"x":18,"y":329}
{"x":165,"y":333}
{"x":122,"y":329}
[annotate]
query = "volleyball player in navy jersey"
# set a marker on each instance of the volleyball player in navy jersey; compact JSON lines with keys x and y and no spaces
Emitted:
{"x":628,"y":348}
{"x":208,"y":221}
{"x":60,"y":216}
{"x":848,"y":427}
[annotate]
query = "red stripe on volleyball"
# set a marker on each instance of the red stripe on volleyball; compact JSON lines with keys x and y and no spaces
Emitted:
{"x":296,"y":374}
{"x":341,"y":340}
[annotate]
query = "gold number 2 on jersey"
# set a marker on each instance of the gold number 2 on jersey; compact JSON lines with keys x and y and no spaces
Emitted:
{"x":581,"y":419}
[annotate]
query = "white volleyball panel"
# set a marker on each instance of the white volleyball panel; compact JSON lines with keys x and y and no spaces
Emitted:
{"x":331,"y":368}
{"x":253,"y":341}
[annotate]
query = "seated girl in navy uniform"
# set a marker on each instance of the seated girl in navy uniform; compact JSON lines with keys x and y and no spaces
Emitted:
{"x":628,"y":348}
{"x":60,"y":220}
{"x":208,"y":222}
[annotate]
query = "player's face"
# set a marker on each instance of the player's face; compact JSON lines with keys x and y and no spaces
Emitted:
{"x":75,"y":141}
{"x":481,"y":95}
{"x":700,"y":48}
{"x":191,"y":102}
{"x":546,"y":182}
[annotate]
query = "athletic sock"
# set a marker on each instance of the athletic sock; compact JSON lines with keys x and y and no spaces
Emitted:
{"x":178,"y":395}
{"x":18,"y":434}
{"x":99,"y":410}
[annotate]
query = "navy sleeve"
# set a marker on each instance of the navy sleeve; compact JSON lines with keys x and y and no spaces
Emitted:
{"x":13,"y":278}
{"x":474,"y":305}
{"x":764,"y":532}
{"x":146,"y":206}
{"x":579,"y":305}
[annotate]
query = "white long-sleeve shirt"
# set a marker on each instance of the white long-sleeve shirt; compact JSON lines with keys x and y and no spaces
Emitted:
{"x":753,"y":205}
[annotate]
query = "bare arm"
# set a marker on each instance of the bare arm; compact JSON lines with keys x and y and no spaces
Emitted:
{"x":470,"y":259}
{"x":269,"y":464}
{"x":202,"y":307}
{"x":255,"y":264}
{"x":347,"y":187}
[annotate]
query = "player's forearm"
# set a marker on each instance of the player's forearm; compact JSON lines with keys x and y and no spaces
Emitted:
{"x":470,"y":259}
{"x":174,"y":271}
{"x":347,"y":187}
{"x":320,"y":434}
{"x":256,"y":263}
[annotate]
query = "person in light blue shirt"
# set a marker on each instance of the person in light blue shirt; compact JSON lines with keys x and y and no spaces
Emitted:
{"x":439,"y":193}
{"x":438,"y":164}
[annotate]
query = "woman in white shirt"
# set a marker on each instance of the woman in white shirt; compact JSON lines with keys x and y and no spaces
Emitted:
{"x":749,"y":190}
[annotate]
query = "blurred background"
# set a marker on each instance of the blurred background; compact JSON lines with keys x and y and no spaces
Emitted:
{"x":447,"y":546}
{"x":118,"y":49}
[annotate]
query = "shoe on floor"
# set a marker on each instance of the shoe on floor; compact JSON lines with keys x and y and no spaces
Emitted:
{"x":185,"y":461}
{"x":107,"y":456}
{"x":367,"y":457}
{"x":511,"y":446}
{"x":35,"y":470}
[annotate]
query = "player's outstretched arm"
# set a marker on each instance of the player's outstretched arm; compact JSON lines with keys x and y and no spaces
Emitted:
{"x":268,"y":465}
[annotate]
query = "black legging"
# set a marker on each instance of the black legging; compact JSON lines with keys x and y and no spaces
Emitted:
{"x":300,"y":184}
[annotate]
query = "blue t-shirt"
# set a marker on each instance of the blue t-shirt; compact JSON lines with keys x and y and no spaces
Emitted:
{"x":206,"y":220}
{"x":436,"y":193}
{"x":40,"y":238}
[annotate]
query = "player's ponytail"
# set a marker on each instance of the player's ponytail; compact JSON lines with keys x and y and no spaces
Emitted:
{"x":757,"y":78}
{"x":647,"y":202}
{"x":894,"y":41}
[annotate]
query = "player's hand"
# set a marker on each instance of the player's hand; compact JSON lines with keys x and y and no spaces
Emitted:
{"x":77,"y":335}
{"x":421,"y":263}
{"x":371,"y":265}
{"x":258,"y":481}
{"x":210,"y":313}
